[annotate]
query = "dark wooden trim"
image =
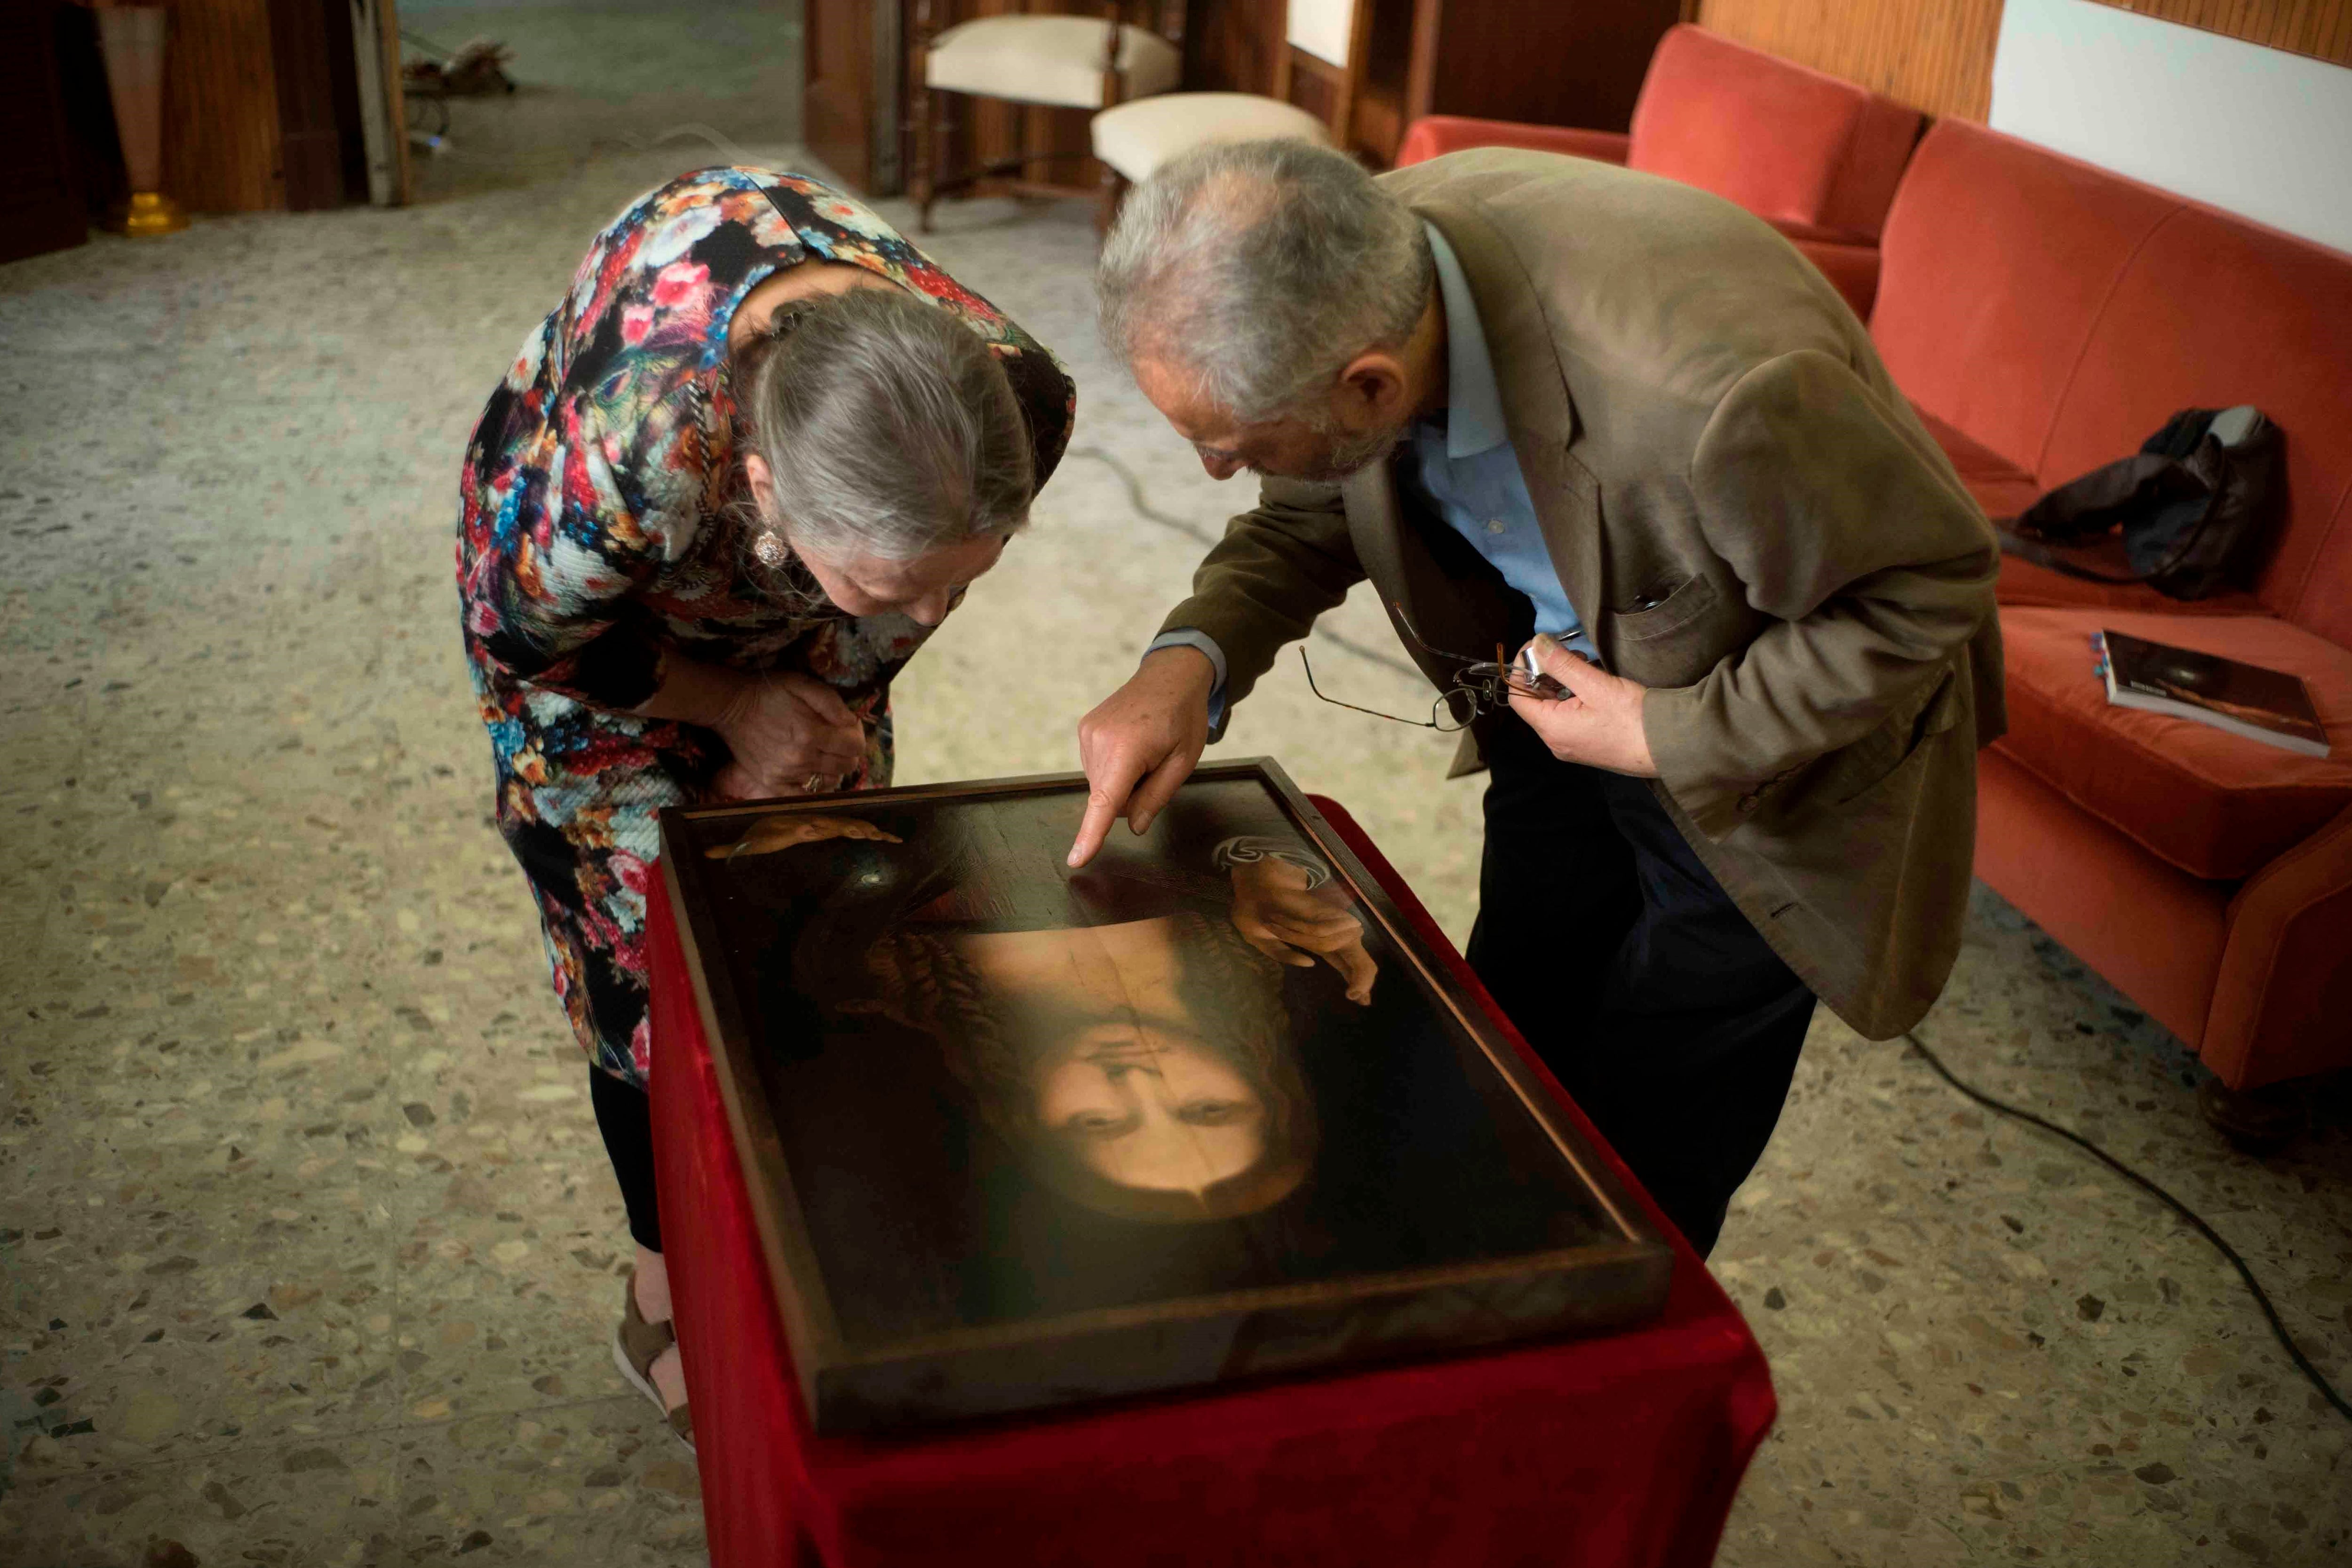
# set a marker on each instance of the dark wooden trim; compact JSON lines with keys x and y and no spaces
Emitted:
{"x":41,"y":190}
{"x":221,"y":125}
{"x":309,"y":142}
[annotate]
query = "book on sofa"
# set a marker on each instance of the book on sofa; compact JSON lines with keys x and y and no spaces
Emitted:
{"x":2266,"y":705}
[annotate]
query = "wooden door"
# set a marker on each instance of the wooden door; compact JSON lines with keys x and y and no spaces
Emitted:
{"x":318,"y":137}
{"x":1570,"y":62}
{"x":40,"y":191}
{"x":853,"y":54}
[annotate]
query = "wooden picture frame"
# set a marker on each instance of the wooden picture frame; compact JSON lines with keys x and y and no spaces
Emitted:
{"x":1381,"y":1176}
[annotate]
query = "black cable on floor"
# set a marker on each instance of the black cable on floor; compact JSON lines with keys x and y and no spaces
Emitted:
{"x":2328,"y":1390}
{"x":1193,"y":531}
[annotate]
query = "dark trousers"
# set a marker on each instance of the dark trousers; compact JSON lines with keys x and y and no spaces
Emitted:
{"x":1647,"y":993}
{"x":624,"y":1115}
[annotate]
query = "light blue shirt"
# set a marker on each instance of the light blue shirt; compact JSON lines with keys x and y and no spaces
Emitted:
{"x":1460,"y":464}
{"x":1463,"y":469}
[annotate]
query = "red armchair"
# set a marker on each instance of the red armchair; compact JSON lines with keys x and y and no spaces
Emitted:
{"x":2044,"y":316}
{"x":1816,"y":157}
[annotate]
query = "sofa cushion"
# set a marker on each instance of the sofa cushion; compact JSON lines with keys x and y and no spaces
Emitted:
{"x":2003,"y":489}
{"x":1786,"y":143}
{"x":1434,"y":135}
{"x":1996,"y":261}
{"x":2024,"y":583}
{"x":1851,"y":268}
{"x":2000,"y":487}
{"x":2215,"y":804}
{"x":2215,"y":311}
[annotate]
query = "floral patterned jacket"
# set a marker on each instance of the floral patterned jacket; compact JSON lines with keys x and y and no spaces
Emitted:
{"x":601,"y":528}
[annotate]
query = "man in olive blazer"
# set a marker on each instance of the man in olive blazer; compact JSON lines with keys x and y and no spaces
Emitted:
{"x":1761,"y":788}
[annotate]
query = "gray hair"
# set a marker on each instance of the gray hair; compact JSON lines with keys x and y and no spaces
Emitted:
{"x":1262,"y":268}
{"x":889,"y":426}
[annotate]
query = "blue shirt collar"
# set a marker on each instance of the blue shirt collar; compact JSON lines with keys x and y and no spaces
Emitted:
{"x":1474,"y":403}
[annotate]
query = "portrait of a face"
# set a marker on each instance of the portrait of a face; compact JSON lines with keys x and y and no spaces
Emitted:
{"x":1144,"y":1067}
{"x":1006,"y":1095}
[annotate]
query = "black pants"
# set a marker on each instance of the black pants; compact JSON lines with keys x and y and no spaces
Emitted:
{"x":1633,"y":976}
{"x":624,"y":1116}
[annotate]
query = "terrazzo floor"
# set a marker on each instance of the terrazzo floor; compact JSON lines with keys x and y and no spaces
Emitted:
{"x":309,"y":1250}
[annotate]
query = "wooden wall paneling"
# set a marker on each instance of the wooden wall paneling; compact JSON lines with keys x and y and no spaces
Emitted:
{"x":1232,"y":45}
{"x":304,"y":49}
{"x":2320,"y":28}
{"x":396,"y":108}
{"x":1935,"y":55}
{"x":344,"y":42}
{"x":41,"y":204}
{"x":220,"y":108}
{"x":841,"y":59}
{"x":1572,"y":62}
{"x":89,"y":113}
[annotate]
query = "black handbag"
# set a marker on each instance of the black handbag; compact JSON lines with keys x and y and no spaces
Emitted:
{"x":2188,"y":515}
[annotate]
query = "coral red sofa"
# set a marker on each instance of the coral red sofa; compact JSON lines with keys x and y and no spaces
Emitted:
{"x":1815,"y":156}
{"x":2045,"y":317}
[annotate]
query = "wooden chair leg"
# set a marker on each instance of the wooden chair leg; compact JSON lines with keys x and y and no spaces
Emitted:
{"x":1114,"y":191}
{"x":924,"y":186}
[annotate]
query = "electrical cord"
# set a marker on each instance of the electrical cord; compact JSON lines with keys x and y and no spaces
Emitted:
{"x":1193,"y":531}
{"x":2328,"y":1390}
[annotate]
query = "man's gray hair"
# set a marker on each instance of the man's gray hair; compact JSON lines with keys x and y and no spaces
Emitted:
{"x":1261,"y":269}
{"x":889,"y":428}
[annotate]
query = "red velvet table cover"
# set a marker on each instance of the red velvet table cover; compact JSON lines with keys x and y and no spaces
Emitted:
{"x":1619,"y":1451}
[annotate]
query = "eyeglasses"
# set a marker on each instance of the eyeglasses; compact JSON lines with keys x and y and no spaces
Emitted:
{"x":1481,"y":686}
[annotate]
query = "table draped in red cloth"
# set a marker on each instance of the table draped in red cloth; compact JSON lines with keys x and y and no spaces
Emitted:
{"x":1622,"y":1449}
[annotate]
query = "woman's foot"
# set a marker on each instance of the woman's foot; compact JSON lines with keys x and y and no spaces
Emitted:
{"x":645,"y":1348}
{"x":651,"y":1285}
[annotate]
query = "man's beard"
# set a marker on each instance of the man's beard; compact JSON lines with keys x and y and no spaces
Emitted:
{"x":1350,"y":455}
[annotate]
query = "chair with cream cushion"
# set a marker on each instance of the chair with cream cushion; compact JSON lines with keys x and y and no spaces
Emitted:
{"x":1055,"y":61}
{"x":1324,"y":39}
{"x":1133,"y":139}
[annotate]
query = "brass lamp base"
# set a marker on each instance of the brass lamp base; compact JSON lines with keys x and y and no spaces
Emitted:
{"x":149,"y":215}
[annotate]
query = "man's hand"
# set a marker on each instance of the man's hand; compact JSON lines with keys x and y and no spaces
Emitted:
{"x":1142,"y":742}
{"x":1599,"y":723}
{"x":1278,"y":916}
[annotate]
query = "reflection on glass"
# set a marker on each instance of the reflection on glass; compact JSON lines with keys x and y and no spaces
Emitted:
{"x":1144,"y":1070}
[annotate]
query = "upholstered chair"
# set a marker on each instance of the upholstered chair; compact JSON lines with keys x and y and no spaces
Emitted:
{"x":1121,"y":53}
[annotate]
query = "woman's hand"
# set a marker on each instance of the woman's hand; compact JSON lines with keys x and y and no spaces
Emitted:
{"x":789,"y":735}
{"x":1276,"y":915}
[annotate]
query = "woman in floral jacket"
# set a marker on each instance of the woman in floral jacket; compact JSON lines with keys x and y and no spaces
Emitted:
{"x":726,"y":490}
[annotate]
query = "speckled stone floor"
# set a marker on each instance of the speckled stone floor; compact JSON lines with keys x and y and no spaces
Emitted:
{"x":310,"y":1250}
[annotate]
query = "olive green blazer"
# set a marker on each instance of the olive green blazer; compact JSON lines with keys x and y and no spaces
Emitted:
{"x":1750,"y":520}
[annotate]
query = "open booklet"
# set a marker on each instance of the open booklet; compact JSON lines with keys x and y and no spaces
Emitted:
{"x":2266,"y":705}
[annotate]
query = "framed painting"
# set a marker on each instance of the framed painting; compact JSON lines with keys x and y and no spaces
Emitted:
{"x":1019,"y":1136}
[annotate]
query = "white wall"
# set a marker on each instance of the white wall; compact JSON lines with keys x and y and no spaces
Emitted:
{"x":2259,"y":131}
{"x":1321,"y":28}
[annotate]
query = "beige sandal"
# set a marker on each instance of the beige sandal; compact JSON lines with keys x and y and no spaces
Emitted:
{"x":636,"y":1346}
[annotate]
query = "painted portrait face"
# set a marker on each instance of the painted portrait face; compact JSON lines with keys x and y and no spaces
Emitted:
{"x":1121,"y":1075}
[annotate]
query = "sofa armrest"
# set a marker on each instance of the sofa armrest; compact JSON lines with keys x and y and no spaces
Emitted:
{"x":1853,"y":269}
{"x":2284,"y":989}
{"x":1436,"y":134}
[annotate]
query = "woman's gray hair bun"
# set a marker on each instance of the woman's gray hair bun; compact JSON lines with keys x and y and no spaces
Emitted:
{"x":889,"y":426}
